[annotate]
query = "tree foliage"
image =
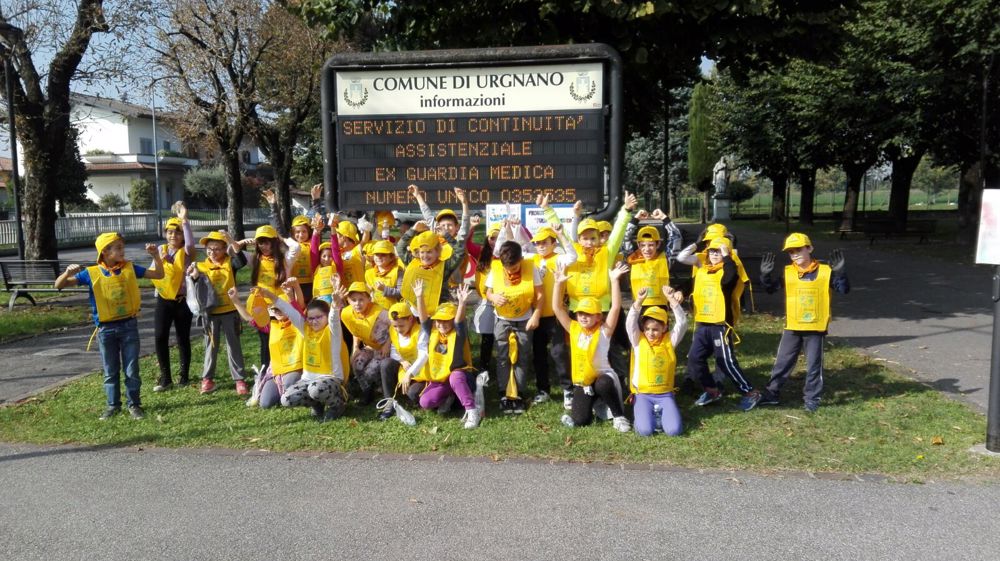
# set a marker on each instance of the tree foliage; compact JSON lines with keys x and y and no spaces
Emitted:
{"x":207,"y":184}
{"x":140,"y":195}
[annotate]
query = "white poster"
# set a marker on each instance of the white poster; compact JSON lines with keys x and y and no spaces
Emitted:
{"x":534,"y":218}
{"x":496,"y":214}
{"x":988,"y":248}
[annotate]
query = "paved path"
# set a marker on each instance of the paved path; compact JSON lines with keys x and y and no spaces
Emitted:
{"x":72,"y":503}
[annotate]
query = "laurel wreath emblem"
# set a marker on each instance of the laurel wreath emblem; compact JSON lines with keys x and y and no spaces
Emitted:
{"x":573,"y":94}
{"x":364,"y":98}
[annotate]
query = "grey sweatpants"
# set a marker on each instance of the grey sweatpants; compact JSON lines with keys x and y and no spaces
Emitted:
{"x":789,"y":348}
{"x":227,"y":326}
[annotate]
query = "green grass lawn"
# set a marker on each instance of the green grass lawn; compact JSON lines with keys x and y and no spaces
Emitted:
{"x":871,"y":421}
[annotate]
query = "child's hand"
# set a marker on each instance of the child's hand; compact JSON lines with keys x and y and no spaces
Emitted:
{"x":630,"y":201}
{"x":290,"y":282}
{"x":766,"y":264}
{"x":317,"y":222}
{"x":642,"y":215}
{"x":674,"y":296}
{"x":74,"y":269}
{"x":267,"y":293}
{"x":542,"y":201}
{"x":578,"y":208}
{"x":475,"y":221}
{"x":420,"y":226}
{"x":414,"y":192}
{"x":269,"y":196}
{"x":316,"y":191}
{"x":619,"y":271}
{"x":561,"y":275}
{"x":498,"y":299}
{"x":247,"y":241}
{"x":331,"y":219}
{"x":404,"y":384}
{"x":234,"y":294}
{"x":643,"y":294}
{"x":658,"y":215}
{"x":460,"y":195}
{"x":418,"y":288}
{"x":192,"y":271}
{"x":181,"y":210}
{"x":463,"y":292}
{"x":152,"y":250}
{"x":837,"y":261}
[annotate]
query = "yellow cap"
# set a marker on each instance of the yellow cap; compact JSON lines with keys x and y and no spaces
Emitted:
{"x":493,"y":229}
{"x":588,"y":305}
{"x":382,"y":247}
{"x":174,"y":223}
{"x":445,"y":312}
{"x":385,"y":217}
{"x":544,"y":233}
{"x":216,"y":236}
{"x":586,"y":224}
{"x":104,"y":240}
{"x":430,"y":240}
{"x":265,"y":231}
{"x":648,"y":233}
{"x":657,"y":313}
{"x":714,"y":230}
{"x":604,"y":226}
{"x":300,"y":221}
{"x":795,"y":240}
{"x":446,"y":213}
{"x":325,"y":245}
{"x":357,"y":286}
{"x":720,"y":241}
{"x":347,"y":229}
{"x":400,"y":310}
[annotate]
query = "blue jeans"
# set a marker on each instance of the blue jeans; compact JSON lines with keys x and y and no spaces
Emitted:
{"x":119,"y":344}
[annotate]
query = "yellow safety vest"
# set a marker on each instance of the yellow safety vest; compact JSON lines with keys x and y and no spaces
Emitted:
{"x":433,"y":278}
{"x":316,"y":353}
{"x":354,"y":266}
{"x":653,"y":274}
{"x":709,"y":299}
{"x":549,"y":265}
{"x":372,"y":277}
{"x":267,"y":276}
{"x":588,"y":277}
{"x":303,"y":264}
{"x":117,"y":296}
{"x":409,"y":351}
{"x":173,"y":274}
{"x":285,"y":344}
{"x":807,"y":303}
{"x":520,"y":296}
{"x":439,"y":364}
{"x":582,"y":351}
{"x":362,"y":326}
{"x":323,"y":281}
{"x":222,"y":278}
{"x":656,"y":366}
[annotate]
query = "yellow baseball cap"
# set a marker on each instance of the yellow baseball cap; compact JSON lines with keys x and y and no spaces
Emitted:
{"x":648,"y":233}
{"x":493,"y":229}
{"x":445,"y":312}
{"x":174,"y":223}
{"x":544,"y":233}
{"x":604,"y":226}
{"x":300,"y":221}
{"x":265,"y":231}
{"x":400,"y":310}
{"x":347,"y":229}
{"x":104,"y":240}
{"x":795,"y":240}
{"x":386,"y":217}
{"x":657,"y":313}
{"x":383,"y":247}
{"x":326,"y":245}
{"x":720,"y":241}
{"x":714,"y":230}
{"x":446,"y":213}
{"x":588,"y":305}
{"x":430,"y":240}
{"x":357,"y":286}
{"x":587,"y":224}
{"x":212,"y":236}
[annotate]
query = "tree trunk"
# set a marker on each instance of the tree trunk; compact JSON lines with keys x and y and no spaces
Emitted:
{"x":902,"y":177}
{"x":234,"y":193}
{"x":970,"y":196}
{"x":807,"y":182}
{"x":855,"y":173}
{"x":39,"y":210}
{"x":706,"y":205}
{"x":779,"y":184}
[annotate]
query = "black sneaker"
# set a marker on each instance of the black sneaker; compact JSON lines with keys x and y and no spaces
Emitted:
{"x":768,"y":398}
{"x":136,"y":412}
{"x":518,"y":406}
{"x":183,"y":382}
{"x":109,"y":412}
{"x":317,"y":411}
{"x":331,"y":414}
{"x":506,"y":406}
{"x":811,"y":406}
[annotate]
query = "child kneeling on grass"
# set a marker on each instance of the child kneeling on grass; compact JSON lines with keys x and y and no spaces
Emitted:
{"x":114,"y":305}
{"x":654,"y":361}
{"x":589,"y":340}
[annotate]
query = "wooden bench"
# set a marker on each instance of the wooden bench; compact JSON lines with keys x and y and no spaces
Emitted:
{"x":21,"y":278}
{"x":874,"y":228}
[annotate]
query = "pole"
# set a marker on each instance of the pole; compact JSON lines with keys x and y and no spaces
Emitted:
{"x":993,"y":411}
{"x":14,"y":172}
{"x":156,"y":166}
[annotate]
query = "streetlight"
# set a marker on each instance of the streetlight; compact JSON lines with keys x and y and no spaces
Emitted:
{"x":156,"y":159}
{"x":7,"y":52}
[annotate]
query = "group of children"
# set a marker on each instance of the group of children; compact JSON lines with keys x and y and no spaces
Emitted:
{"x":365,"y":313}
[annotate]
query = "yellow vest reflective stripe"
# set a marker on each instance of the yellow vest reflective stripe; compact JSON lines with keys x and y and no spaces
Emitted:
{"x":363,"y":326}
{"x":583,"y":347}
{"x":807,"y":303}
{"x":316,"y":353}
{"x":323,"y":281}
{"x":656,"y":366}
{"x":173,"y":274}
{"x":117,"y":296}
{"x":439,"y":364}
{"x":285,"y":344}
{"x":520,"y":296}
{"x":548,"y":265}
{"x":653,"y":274}
{"x":354,"y":266}
{"x":302,"y":268}
{"x":222,"y":279}
{"x":388,"y":279}
{"x":433,"y":278}
{"x":588,"y":278}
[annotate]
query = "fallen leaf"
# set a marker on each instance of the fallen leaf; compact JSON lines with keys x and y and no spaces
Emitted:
{"x":542,"y":427}
{"x":918,"y":439}
{"x":734,"y":480}
{"x":256,"y":439}
{"x":937,"y":441}
{"x":433,"y":430}
{"x":922,"y":347}
{"x":789,"y":434}
{"x":415,"y":501}
{"x":956,"y":427}
{"x":495,"y":457}
{"x":159,"y":418}
{"x":434,"y":447}
{"x":568,"y":441}
{"x":878,"y":405}
{"x":352,"y":423}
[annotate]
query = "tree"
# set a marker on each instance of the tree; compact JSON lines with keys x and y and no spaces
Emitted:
{"x":644,"y":167}
{"x":703,"y":144}
{"x":207,"y":183}
{"x":63,"y":31}
{"x":212,"y":50}
{"x":111,"y":202}
{"x":140,"y":195}
{"x":739,"y":191}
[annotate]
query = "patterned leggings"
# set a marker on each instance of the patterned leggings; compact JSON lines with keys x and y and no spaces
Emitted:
{"x":325,"y":390}
{"x":367,"y":368}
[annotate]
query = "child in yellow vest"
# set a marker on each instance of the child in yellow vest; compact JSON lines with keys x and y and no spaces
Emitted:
{"x":369,"y":324}
{"x":589,"y":339}
{"x":649,"y":266}
{"x":447,"y":225}
{"x":285,"y":342}
{"x":654,"y":361}
{"x":407,"y":357}
{"x":325,"y":259}
{"x":171,"y":306}
{"x":223,"y":259}
{"x":808,"y":285}
{"x":448,"y":371}
{"x":325,"y":359}
{"x":716,"y":304}
{"x":385,"y":277}
{"x":114,"y":304}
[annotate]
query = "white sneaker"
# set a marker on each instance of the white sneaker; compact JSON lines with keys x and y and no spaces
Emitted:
{"x":471,"y":418}
{"x":540,"y":397}
{"x":567,"y":400}
{"x":568,"y":421}
{"x":480,"y":394}
{"x":621,"y":424}
{"x":601,"y":410}
{"x":445,"y":407}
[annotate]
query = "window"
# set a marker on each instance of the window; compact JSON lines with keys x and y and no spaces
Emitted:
{"x":145,"y":146}
{"x":166,"y":145}
{"x":245,"y":156}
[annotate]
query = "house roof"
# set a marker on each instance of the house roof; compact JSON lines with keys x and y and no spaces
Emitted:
{"x":133,"y":166}
{"x":120,"y":107}
{"x":6,"y":164}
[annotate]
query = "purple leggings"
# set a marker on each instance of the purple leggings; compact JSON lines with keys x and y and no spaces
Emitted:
{"x":670,"y":415}
{"x":458,"y":384}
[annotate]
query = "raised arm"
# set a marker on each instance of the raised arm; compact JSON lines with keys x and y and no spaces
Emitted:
{"x":632,"y":320}
{"x":676,"y":300}
{"x":68,"y":277}
{"x":234,"y":297}
{"x":295,"y":316}
{"x":156,"y":271}
{"x":621,"y":221}
{"x":558,"y":306}
{"x":616,"y":274}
